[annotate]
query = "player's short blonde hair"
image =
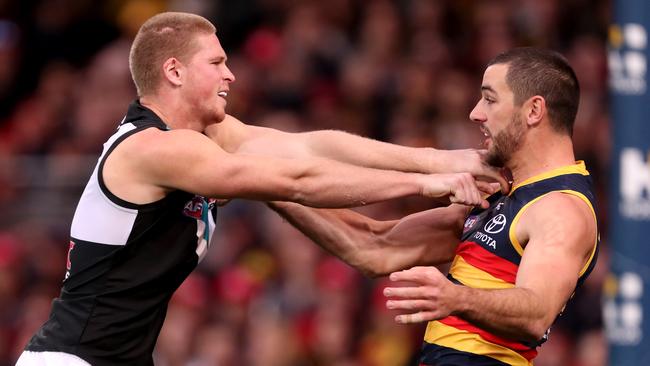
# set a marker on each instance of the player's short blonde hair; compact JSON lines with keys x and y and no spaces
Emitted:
{"x":161,"y":37}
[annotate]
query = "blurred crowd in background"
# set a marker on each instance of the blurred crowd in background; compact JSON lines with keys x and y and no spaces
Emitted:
{"x":404,"y":71}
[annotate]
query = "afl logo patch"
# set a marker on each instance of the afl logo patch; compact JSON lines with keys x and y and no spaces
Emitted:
{"x":469,"y":223}
{"x":194,"y":208}
{"x":496,"y":224}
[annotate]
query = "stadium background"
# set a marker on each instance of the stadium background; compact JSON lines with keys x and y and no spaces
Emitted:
{"x":402,"y":71}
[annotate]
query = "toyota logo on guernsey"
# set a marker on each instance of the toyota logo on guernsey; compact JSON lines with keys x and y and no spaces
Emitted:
{"x":496,"y":224}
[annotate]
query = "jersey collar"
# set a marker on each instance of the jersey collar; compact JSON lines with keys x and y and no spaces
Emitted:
{"x":577,"y":168}
{"x":139,"y":113}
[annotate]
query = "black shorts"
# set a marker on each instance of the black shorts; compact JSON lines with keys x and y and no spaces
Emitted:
{"x":434,"y":355}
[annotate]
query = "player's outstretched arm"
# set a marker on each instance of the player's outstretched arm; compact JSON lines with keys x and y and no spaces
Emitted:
{"x":559,"y":233}
{"x":379,"y":247}
{"x":236,"y":137}
{"x":187,"y":160}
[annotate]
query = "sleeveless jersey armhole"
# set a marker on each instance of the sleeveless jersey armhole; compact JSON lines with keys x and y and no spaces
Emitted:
{"x":519,"y":248}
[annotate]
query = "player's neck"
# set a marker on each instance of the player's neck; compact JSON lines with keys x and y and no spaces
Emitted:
{"x":173,"y":112}
{"x":541,"y":155}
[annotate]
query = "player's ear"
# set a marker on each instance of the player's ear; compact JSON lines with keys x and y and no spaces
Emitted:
{"x":535,"y":110}
{"x":173,"y":71}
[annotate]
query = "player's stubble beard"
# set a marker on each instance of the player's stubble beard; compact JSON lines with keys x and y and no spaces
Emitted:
{"x":506,"y":142}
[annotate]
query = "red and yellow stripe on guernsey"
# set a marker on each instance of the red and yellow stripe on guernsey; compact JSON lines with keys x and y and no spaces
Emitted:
{"x":456,"y":333}
{"x":476,"y":267}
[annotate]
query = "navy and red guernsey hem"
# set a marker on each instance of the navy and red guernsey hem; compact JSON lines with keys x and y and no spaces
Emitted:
{"x":434,"y":355}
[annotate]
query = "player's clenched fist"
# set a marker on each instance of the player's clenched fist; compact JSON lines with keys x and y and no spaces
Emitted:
{"x":459,"y":188}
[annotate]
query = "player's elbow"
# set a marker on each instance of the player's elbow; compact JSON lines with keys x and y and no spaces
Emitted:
{"x":370,"y":271}
{"x":295,"y":181}
{"x":374,"y":266}
{"x":366,"y":253}
{"x":378,"y":263}
{"x":298,"y":188}
{"x":381,"y":266}
{"x":534,"y":330}
{"x":305,"y":188}
{"x":365,"y":262}
{"x":303,"y":191}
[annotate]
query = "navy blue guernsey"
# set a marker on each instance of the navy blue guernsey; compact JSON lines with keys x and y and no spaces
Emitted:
{"x":488,"y":257}
{"x":124,"y":263}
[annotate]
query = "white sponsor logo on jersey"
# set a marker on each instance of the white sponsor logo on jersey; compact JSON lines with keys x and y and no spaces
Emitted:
{"x":496,"y":224}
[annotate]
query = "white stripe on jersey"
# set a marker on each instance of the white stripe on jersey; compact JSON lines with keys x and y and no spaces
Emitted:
{"x":97,"y":219}
{"x":29,"y":358}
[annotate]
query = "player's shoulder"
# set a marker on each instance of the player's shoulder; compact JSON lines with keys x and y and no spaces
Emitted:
{"x":564,"y":209}
{"x":560,"y":201}
{"x":155,"y":137}
{"x":154,"y":145}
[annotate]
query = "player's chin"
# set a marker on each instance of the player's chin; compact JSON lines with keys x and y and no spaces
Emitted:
{"x":219,"y":115}
{"x":488,"y":144}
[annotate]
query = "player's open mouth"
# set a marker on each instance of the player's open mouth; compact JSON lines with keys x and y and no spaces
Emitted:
{"x":222,"y":94}
{"x":485,"y":131}
{"x":488,"y":136}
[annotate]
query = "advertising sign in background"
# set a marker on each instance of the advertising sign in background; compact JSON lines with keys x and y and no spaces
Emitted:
{"x":626,"y":307}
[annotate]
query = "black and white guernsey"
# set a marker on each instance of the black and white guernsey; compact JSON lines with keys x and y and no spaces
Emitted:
{"x":124,"y":263}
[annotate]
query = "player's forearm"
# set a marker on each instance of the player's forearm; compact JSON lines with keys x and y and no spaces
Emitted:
{"x":425,"y":238}
{"x":357,"y":150}
{"x":327,"y":183}
{"x":324,"y":183}
{"x":378,"y":248}
{"x":343,"y":147}
{"x":238,"y":138}
{"x":515,"y":313}
{"x":343,"y":233}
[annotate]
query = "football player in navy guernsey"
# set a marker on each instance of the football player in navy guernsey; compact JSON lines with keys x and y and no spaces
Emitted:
{"x":515,"y":264}
{"x":146,"y":216}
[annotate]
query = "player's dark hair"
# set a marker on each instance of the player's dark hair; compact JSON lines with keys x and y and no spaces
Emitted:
{"x":536,"y":71}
